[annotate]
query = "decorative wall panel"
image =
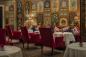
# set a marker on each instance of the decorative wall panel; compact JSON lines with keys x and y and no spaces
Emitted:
{"x":73,"y":5}
{"x":10,"y":12}
{"x":54,"y":18}
{"x":55,"y":5}
{"x":47,"y":4}
{"x":40,"y":6}
{"x":27,"y":7}
{"x":64,"y":12}
{"x":34,"y":6}
{"x":63,"y":4}
{"x":19,"y":13}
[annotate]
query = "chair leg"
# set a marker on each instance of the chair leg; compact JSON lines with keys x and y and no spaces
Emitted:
{"x":23,"y":44}
{"x":27,"y":45}
{"x":52,"y":52}
{"x":41,"y":50}
{"x":10,"y":42}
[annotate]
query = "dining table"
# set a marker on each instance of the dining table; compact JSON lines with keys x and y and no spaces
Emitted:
{"x":68,"y":37}
{"x":75,"y":50}
{"x":10,"y":51}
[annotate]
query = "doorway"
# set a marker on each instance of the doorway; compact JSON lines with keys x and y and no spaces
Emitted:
{"x":1,"y":15}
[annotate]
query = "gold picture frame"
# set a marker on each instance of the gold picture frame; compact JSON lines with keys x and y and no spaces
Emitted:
{"x":40,"y":6}
{"x":47,"y":4}
{"x":34,"y":6}
{"x":63,"y":22}
{"x":72,"y":5}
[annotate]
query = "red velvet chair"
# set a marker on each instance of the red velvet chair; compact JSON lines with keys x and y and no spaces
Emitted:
{"x":48,"y":40}
{"x":77,"y":38}
{"x":16,"y":35}
{"x":32,"y":37}
{"x":9,"y":32}
{"x":2,"y":37}
{"x":29,"y":37}
{"x":59,"y":42}
{"x":25,"y":37}
{"x":13,"y":35}
{"x":35,"y":38}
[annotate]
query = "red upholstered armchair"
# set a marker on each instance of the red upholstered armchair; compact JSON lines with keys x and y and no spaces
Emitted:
{"x":13,"y":36}
{"x":59,"y":43}
{"x":48,"y":40}
{"x":25,"y":37}
{"x":35,"y":38}
{"x":9,"y":32}
{"x":29,"y":37}
{"x":77,"y":38}
{"x":2,"y":37}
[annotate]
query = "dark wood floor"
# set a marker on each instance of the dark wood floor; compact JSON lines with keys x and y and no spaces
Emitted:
{"x":35,"y":51}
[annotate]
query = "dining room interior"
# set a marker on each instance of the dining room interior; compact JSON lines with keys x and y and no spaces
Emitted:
{"x":42,"y":28}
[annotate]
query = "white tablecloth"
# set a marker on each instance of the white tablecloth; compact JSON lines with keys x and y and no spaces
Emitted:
{"x":74,"y":50}
{"x":11,"y":51}
{"x":68,"y":36}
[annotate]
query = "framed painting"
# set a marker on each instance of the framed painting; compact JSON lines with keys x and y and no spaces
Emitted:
{"x":63,"y":3}
{"x":55,"y":5}
{"x":72,"y":5}
{"x":40,"y":6}
{"x":63,"y":22}
{"x":19,"y":6}
{"x":34,"y":6}
{"x":47,"y":21}
{"x":19,"y":13}
{"x":27,"y":7}
{"x":47,"y":4}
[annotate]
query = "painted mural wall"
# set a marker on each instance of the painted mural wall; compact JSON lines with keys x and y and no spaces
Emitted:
{"x":63,"y":12}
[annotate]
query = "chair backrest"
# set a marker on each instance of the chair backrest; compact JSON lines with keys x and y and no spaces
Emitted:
{"x":46,"y":36}
{"x":59,"y":42}
{"x":2,"y":37}
{"x":16,"y":35}
{"x":9,"y":31}
{"x":24,"y":32}
{"x":77,"y":38}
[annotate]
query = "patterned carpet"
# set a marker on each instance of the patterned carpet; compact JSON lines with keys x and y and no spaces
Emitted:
{"x":35,"y":51}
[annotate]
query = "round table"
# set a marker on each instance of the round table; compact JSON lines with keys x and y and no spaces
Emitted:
{"x":74,"y":50}
{"x":11,"y":51}
{"x":68,"y":36}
